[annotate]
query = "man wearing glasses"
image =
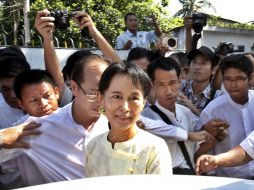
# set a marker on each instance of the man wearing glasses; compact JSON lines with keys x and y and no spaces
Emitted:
{"x":235,"y":109}
{"x":58,"y":153}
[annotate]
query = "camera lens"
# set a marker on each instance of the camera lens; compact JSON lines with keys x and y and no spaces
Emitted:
{"x":171,"y":42}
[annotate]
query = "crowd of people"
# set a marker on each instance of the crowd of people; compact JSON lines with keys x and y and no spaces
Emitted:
{"x":189,"y":113}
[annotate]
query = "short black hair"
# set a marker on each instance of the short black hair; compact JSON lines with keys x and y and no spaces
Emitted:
{"x":163,"y":63}
{"x":12,"y":51}
{"x":78,"y":74}
{"x":30,"y":77}
{"x":129,"y":14}
{"x":138,"y":76}
{"x":11,"y":66}
{"x":138,"y":53}
{"x":72,"y":60}
{"x":237,"y":61}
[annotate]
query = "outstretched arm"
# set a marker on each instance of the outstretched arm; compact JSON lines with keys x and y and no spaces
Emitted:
{"x":45,"y":26}
{"x":235,"y":157}
{"x":84,"y":20}
{"x":188,"y":33}
{"x":12,"y":137}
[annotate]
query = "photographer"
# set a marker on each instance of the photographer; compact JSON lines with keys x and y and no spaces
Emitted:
{"x":132,"y":38}
{"x":45,"y":26}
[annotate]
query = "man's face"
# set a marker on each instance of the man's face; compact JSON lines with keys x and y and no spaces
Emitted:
{"x":86,"y":93}
{"x":201,"y":69}
{"x":166,"y":87}
{"x":39,"y":99}
{"x":132,"y":23}
{"x":236,"y":83}
{"x":8,"y":92}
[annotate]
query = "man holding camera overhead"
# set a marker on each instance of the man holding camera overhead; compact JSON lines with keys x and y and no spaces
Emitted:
{"x":132,"y":38}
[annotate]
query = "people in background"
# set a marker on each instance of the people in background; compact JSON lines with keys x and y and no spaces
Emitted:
{"x":132,"y":38}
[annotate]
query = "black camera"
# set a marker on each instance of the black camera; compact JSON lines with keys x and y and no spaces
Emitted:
{"x":62,"y":18}
{"x":62,"y":21}
{"x":225,"y":48}
{"x":199,"y":21}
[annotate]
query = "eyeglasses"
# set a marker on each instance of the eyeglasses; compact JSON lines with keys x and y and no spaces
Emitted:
{"x":90,"y":96}
{"x":236,"y":80}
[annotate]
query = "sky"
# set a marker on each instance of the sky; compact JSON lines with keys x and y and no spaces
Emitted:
{"x":237,"y":10}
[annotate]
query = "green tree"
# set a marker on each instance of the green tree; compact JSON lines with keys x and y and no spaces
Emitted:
{"x":11,"y":23}
{"x":189,"y":6}
{"x":108,"y":16}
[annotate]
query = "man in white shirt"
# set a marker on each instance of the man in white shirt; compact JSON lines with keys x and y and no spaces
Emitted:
{"x":12,"y":62}
{"x":235,"y":108}
{"x":164,"y":74}
{"x":58,"y":154}
{"x":132,"y":38}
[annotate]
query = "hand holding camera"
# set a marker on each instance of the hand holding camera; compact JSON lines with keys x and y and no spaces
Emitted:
{"x":86,"y":24}
{"x":45,"y":24}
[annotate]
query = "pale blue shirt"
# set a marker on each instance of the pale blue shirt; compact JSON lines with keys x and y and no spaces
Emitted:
{"x":142,"y":39}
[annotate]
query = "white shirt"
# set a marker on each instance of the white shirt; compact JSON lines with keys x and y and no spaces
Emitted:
{"x":183,"y":120}
{"x":8,"y":115}
{"x":58,"y":153}
{"x":248,"y":145}
{"x":142,"y":39}
{"x":154,"y":124}
{"x":240,"y":119}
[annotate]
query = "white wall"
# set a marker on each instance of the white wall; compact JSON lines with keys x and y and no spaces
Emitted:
{"x":212,"y":36}
{"x":36,"y":59}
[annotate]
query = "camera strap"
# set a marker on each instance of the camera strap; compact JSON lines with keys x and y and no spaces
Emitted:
{"x":212,"y":94}
{"x":181,"y":144}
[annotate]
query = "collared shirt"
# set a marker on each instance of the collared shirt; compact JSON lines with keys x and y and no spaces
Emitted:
{"x":143,"y":154}
{"x":199,"y":101}
{"x":181,"y":119}
{"x":240,"y":119}
{"x":58,"y":153}
{"x":142,"y":39}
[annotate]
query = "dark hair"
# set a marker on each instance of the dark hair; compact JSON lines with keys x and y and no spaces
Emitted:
{"x":129,"y":14}
{"x":181,"y":58}
{"x":163,"y":63}
{"x":30,"y":77}
{"x":138,"y":53}
{"x":77,"y":74}
{"x":11,"y":66}
{"x":237,"y":61}
{"x":138,"y":76}
{"x":12,"y":51}
{"x":72,"y":60}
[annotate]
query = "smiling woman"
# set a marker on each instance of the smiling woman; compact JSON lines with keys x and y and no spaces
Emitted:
{"x":125,"y":149}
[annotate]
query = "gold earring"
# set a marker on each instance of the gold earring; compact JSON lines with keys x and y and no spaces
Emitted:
{"x":101,"y":110}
